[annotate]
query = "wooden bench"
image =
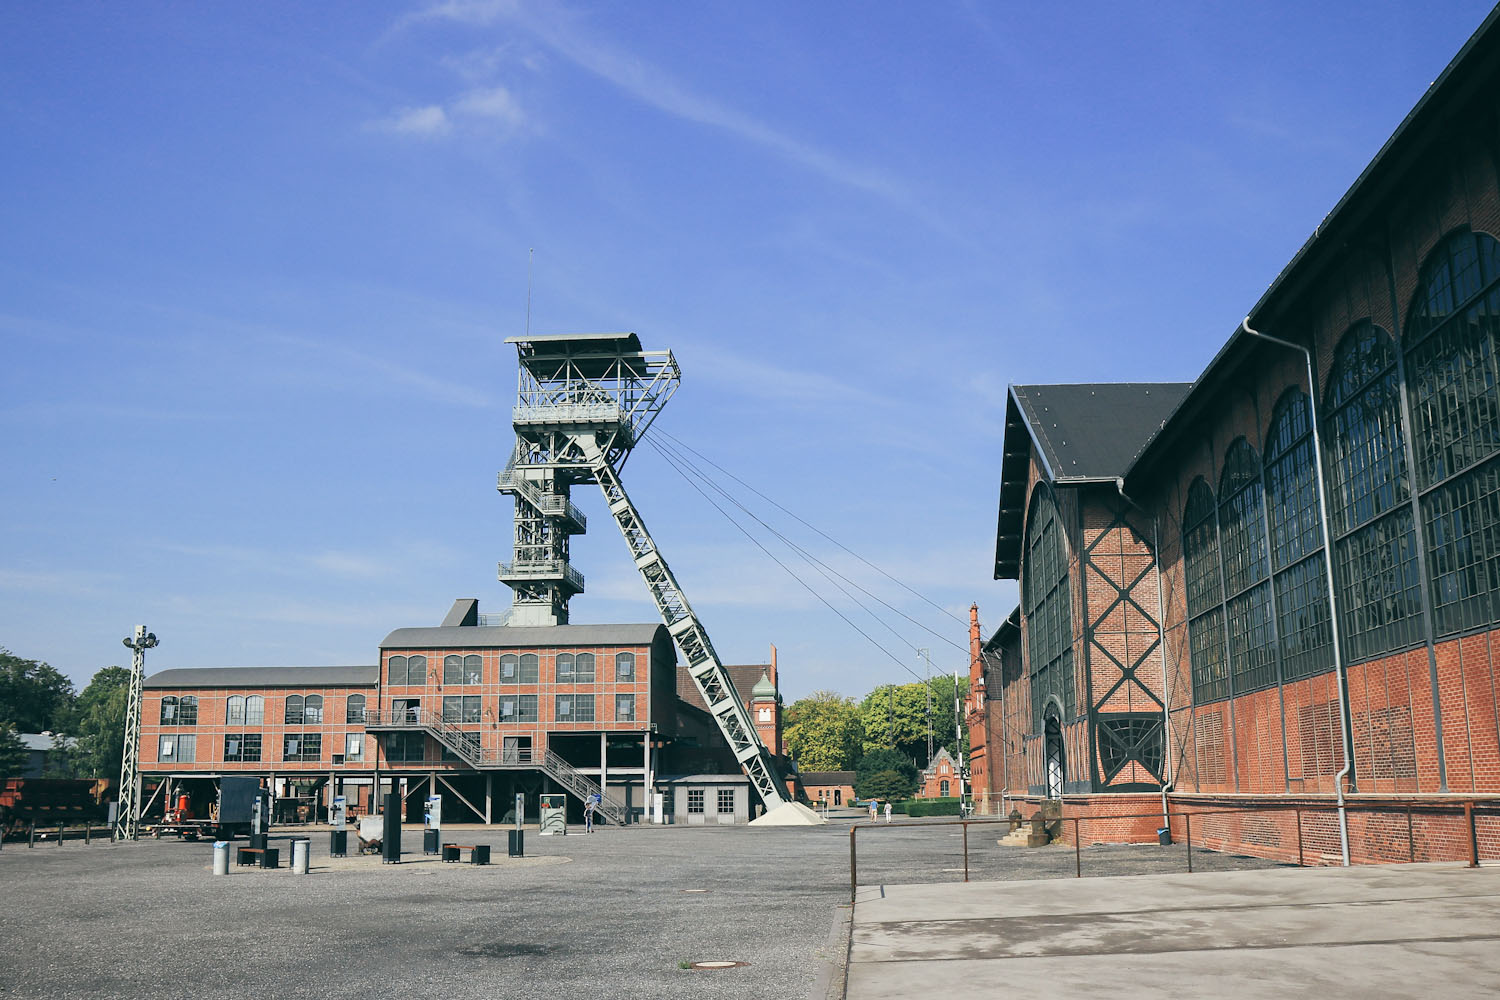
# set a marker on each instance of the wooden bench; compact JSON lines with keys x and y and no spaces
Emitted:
{"x":479,"y":854}
{"x":266,"y":857}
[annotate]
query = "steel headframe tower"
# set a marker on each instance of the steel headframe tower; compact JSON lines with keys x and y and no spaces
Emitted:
{"x":127,"y":816}
{"x":584,"y":401}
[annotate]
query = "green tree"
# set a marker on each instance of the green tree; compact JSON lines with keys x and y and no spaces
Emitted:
{"x":12,"y":751}
{"x":891,"y":785}
{"x":895,"y":716}
{"x":99,"y":724}
{"x":34,"y":697}
{"x":868,"y":784}
{"x":823,"y":732}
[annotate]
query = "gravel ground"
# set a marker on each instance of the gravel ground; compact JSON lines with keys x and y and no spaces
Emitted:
{"x":606,"y":915}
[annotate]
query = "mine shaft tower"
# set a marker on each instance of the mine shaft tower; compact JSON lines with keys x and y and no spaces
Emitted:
{"x":584,"y":401}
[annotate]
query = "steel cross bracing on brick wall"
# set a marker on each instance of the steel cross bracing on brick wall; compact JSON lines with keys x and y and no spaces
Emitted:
{"x":465,"y":746}
{"x":1134,"y":736}
{"x":583,"y":403}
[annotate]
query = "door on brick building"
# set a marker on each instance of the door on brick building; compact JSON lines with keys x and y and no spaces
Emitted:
{"x":1056,"y":760}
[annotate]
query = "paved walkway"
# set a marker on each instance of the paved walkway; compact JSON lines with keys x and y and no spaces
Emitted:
{"x":1327,"y":933}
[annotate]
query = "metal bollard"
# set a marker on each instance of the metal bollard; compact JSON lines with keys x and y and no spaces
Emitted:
{"x":299,"y":856}
{"x":221,"y":857}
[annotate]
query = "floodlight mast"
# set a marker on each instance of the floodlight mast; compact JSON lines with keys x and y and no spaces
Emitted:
{"x":128,"y":813}
{"x":583,"y":402}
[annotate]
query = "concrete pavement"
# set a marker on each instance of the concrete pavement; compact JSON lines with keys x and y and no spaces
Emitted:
{"x":1389,"y":931}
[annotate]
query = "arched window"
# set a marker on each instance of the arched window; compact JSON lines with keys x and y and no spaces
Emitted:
{"x":510,"y":665}
{"x":255,"y":710}
{"x":354,"y":709}
{"x":1247,"y":589}
{"x":187,"y":711}
{"x":1453,"y":376}
{"x":1450,"y":343}
{"x":313,"y":711}
{"x":564,"y":668}
{"x":453,"y":669}
{"x":169,"y":710}
{"x":395,"y":670}
{"x":234,"y":710}
{"x":583,"y":668}
{"x":473,"y":669}
{"x":1375,"y":544}
{"x":1301,"y":591}
{"x":530,"y":668}
{"x":1048,"y":608}
{"x":416,"y":670}
{"x":624,"y":666}
{"x":1205,"y":593}
{"x":294,"y":710}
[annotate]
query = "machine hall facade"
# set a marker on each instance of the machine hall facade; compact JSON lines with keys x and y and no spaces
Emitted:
{"x":472,"y":712}
{"x":1279,"y":584}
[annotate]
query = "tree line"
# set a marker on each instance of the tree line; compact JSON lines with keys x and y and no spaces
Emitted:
{"x":88,"y":726}
{"x":883,"y":738}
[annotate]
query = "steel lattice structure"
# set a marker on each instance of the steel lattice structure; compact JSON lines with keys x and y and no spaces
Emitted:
{"x":128,"y":814}
{"x":584,"y":401}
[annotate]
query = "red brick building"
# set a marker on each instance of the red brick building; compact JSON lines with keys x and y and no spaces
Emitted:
{"x":941,"y":778}
{"x":1173,"y":542}
{"x":472,"y":712}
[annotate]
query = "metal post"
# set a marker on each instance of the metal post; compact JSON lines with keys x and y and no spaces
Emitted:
{"x":1411,"y":845}
{"x":853,"y":865}
{"x":1300,"y":862}
{"x":1187,"y":819}
{"x":128,"y":820}
{"x":1077,"y":851}
{"x":1473,"y":835}
{"x":965,"y":825}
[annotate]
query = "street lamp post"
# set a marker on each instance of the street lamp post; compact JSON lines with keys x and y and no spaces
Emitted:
{"x":127,"y":817}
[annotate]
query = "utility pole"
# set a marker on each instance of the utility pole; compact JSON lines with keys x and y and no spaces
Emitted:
{"x":958,"y":744}
{"x":127,"y":816}
{"x":927,"y":659}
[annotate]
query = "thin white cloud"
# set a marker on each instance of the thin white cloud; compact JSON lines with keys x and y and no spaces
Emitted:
{"x":495,"y":103}
{"x":555,"y":29}
{"x":423,"y":122}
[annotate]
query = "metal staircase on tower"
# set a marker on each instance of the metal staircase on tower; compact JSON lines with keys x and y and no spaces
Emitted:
{"x":583,"y":402}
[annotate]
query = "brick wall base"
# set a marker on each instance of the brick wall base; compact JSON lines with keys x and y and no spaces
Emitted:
{"x":1291,"y":829}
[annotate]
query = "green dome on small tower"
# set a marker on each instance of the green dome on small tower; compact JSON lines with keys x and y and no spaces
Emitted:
{"x":763,"y":688}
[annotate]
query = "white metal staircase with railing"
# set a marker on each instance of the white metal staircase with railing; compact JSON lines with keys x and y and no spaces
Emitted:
{"x":465,"y":745}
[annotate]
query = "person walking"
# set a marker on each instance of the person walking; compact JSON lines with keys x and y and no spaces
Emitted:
{"x":874,"y":805}
{"x":589,"y":805}
{"x":887,"y":810}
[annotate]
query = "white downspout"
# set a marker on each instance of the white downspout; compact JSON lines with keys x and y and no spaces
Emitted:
{"x":1333,"y":618}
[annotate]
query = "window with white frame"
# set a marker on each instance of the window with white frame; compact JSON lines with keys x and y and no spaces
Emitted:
{"x":726,"y":800}
{"x":624,"y":708}
{"x":624,"y":666}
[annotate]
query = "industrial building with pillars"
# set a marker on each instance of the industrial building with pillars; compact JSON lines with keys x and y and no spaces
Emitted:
{"x":1274,"y":592}
{"x":478,"y":711}
{"x":471,"y":712}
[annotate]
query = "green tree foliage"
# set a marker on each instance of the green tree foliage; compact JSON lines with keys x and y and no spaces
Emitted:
{"x":869,"y":784}
{"x":823,"y":732}
{"x":34,"y":697}
{"x":889,"y":785}
{"x":99,"y":724}
{"x":895,"y":717}
{"x":12,"y":751}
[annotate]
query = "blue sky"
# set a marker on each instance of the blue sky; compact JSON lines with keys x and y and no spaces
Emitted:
{"x":257,"y":262}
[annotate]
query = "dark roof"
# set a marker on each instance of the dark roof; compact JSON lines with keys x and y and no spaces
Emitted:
{"x":1085,"y":433}
{"x":743,"y":677}
{"x":255,"y":677}
{"x":517,"y":637}
{"x":1009,"y":631}
{"x":1471,"y":76}
{"x":827,"y":777}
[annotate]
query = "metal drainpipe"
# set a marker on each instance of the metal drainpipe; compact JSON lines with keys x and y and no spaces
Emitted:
{"x":1167,"y":782}
{"x":1341,"y":678}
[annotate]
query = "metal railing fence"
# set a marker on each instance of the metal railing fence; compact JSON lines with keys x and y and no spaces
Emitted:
{"x":1466,"y":811}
